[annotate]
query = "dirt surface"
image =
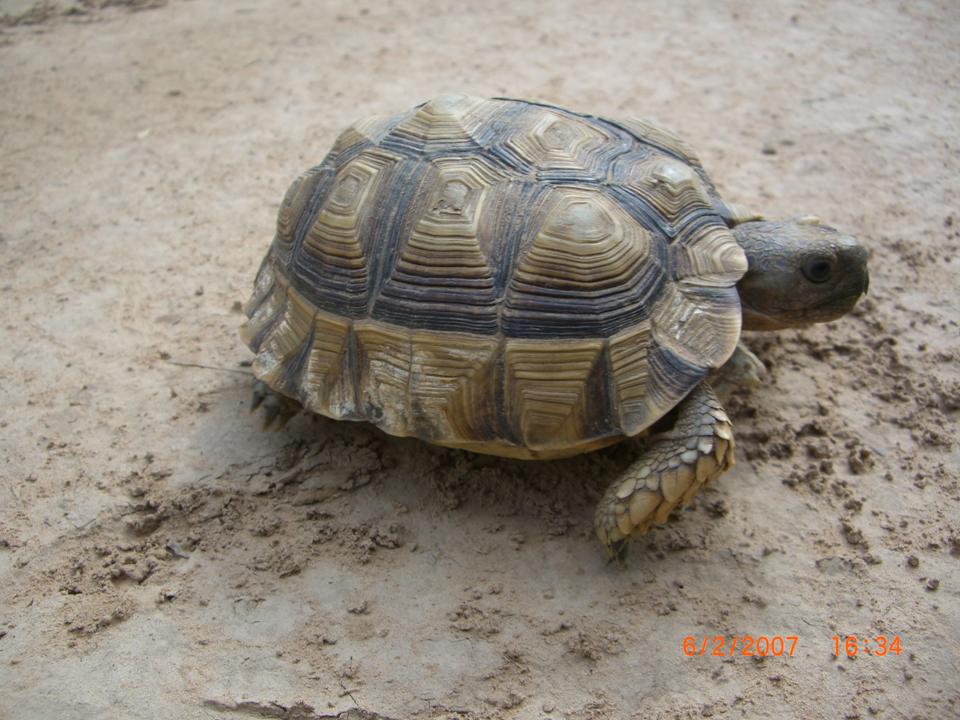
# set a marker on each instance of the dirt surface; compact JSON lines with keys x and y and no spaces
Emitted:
{"x":161,"y":557}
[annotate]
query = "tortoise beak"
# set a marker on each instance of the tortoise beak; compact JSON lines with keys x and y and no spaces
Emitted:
{"x":853,"y":257}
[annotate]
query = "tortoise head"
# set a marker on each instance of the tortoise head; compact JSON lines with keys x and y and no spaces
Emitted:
{"x":799,"y":272}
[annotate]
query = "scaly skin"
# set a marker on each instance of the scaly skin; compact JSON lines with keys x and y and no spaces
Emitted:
{"x":673,"y":468}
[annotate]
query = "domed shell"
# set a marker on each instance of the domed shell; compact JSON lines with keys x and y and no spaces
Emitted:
{"x":503,"y":276}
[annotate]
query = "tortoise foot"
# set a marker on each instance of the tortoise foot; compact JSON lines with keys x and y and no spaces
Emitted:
{"x":673,"y":468}
{"x":277,"y":409}
{"x":743,"y":369}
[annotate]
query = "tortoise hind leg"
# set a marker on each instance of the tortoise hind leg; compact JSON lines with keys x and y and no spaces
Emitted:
{"x":672,"y":469}
{"x":276,"y":407}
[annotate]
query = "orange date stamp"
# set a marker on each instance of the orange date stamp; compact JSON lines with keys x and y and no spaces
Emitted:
{"x":877,"y":645}
{"x":742,"y":645}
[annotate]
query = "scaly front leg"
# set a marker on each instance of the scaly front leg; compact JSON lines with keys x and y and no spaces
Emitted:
{"x":672,"y":469}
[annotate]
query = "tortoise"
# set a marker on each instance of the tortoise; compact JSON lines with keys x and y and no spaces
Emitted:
{"x":514,"y":278}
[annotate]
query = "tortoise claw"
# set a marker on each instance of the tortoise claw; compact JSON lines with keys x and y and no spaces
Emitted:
{"x":277,"y":408}
{"x":270,"y":413}
{"x":260,"y":393}
{"x":618,"y":551}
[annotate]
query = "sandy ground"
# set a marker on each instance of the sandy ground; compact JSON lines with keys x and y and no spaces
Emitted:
{"x":161,"y":557}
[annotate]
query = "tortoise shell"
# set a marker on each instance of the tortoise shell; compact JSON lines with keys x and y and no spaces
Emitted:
{"x":502,"y":276}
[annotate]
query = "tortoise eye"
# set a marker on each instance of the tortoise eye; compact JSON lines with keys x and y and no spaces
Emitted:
{"x":818,"y":270}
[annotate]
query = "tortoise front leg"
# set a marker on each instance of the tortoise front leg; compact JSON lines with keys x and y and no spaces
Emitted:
{"x":672,"y":469}
{"x":743,"y":369}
